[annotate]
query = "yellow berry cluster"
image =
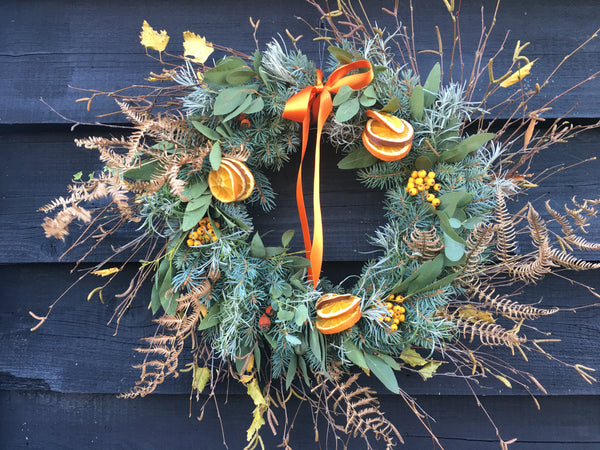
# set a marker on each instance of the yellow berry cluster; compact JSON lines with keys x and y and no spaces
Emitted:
{"x":203,"y":234}
{"x":421,"y":181}
{"x":395,"y":312}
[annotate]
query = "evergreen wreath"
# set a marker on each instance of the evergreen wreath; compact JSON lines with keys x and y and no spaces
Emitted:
{"x":198,"y":154}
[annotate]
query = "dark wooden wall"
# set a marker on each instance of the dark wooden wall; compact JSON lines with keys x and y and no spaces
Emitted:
{"x":58,"y":385}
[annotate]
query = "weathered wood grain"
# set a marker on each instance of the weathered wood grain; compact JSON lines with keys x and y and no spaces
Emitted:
{"x":76,"y":352}
{"x":48,"y":420}
{"x":39,"y":163}
{"x":48,"y":46}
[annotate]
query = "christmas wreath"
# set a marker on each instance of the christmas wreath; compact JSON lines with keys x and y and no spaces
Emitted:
{"x":199,"y":152}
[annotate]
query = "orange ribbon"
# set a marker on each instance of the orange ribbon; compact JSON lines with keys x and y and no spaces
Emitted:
{"x":315,"y":101}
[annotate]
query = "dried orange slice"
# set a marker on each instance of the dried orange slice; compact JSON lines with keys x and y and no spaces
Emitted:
{"x":225,"y":183}
{"x":338,"y":307}
{"x":381,"y":133}
{"x":328,"y":298}
{"x":384,"y":152}
{"x":339,"y":323}
{"x":248,"y":177}
{"x":395,"y":124}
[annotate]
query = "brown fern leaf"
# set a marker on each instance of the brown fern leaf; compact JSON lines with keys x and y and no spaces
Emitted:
{"x":578,"y":217}
{"x":132,"y":113}
{"x":500,"y":304}
{"x":359,"y":408}
{"x":562,"y":220}
{"x":531,"y":270}
{"x":505,"y":231}
{"x":581,"y":243}
{"x":477,"y":242}
{"x":489,"y":333}
{"x":167,"y":346}
{"x":571,"y":262}
{"x":425,"y":245}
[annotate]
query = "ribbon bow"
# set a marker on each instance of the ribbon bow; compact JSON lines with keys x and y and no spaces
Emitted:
{"x":315,"y":102}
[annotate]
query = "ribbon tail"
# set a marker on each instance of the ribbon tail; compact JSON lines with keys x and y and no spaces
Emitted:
{"x":300,"y":195}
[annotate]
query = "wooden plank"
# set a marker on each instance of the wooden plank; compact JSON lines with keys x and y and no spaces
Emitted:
{"x":75,"y":352}
{"x":347,"y":205}
{"x":52,"y":420}
{"x":51,"y":45}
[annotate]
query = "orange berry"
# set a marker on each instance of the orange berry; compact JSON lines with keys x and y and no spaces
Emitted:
{"x":399,"y":298}
{"x":437,"y":187}
{"x":396,"y":321}
{"x":402,"y":318}
{"x":422,"y":173}
{"x":393,"y":327}
{"x":196,"y":243}
{"x":421,"y":188}
{"x":415,"y":174}
{"x":387,"y":319}
{"x":190,"y":242}
{"x":397,"y":308}
{"x":431,"y":175}
{"x":413,"y":191}
{"x":435,"y":202}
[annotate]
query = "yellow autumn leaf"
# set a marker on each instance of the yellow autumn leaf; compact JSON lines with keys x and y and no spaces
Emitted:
{"x":412,"y":358}
{"x":471,"y":313}
{"x":257,"y":422}
{"x":429,"y":369}
{"x":517,"y":76}
{"x":106,"y":272}
{"x":201,"y":378}
{"x":150,"y":38}
{"x":196,"y":47}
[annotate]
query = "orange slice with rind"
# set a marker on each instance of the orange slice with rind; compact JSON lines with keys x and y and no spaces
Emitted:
{"x":395,"y":124}
{"x":386,"y":136}
{"x":386,"y":153}
{"x":338,"y":307}
{"x":339,"y":323}
{"x":223,"y":184}
{"x":231,"y":182}
{"x":249,"y":178}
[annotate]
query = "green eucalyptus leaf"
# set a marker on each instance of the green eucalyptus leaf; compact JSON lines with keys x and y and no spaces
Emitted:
{"x":285,"y":315}
{"x":343,"y":95}
{"x":453,"y":250}
{"x":206,"y":131}
{"x":148,"y":168}
{"x":273,"y":251}
{"x":257,"y":248}
{"x":195,"y":188}
{"x":218,"y":74}
{"x":192,"y":216}
{"x":215,"y":156}
{"x":447,"y":228}
{"x":240,"y":109}
{"x":240,"y":76}
{"x":340,"y":54}
{"x":287,"y":238}
{"x":255,"y":106}
{"x":212,"y":317}
{"x":382,"y":371}
{"x":367,"y":101}
{"x":391,"y":106}
{"x":423,"y":163}
{"x":357,"y":159}
{"x":300,"y":315}
{"x":354,"y":354}
{"x":416,"y":102}
{"x":452,"y":201}
{"x":291,"y":372}
{"x":297,"y":262}
{"x":302,"y":365}
{"x":198,"y":202}
{"x":432,"y":85}
{"x":472,"y":222}
{"x":455,"y":223}
{"x":315,"y":343}
{"x":229,"y":99}
{"x":466,"y":146}
{"x":347,"y":110}
{"x":370,"y":92}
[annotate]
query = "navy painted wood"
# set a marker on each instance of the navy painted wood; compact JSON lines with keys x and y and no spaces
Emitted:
{"x":58,"y":385}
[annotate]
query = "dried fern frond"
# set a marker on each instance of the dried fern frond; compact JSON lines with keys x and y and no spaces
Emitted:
{"x":477,"y":242}
{"x":489,"y":333}
{"x":357,"y":405}
{"x":571,"y":262}
{"x":167,"y":347}
{"x":425,"y":245}
{"x":500,"y":304}
{"x":505,"y":231}
{"x":532,"y":270}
